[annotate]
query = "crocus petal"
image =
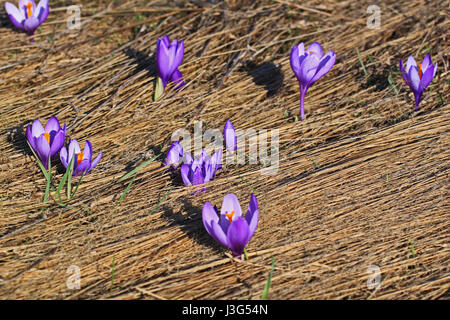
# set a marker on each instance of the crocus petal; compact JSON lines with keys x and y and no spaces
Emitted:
{"x":404,"y":73}
{"x":42,"y":10}
{"x":82,"y":168}
{"x":162,"y":61}
{"x":63,"y":157}
{"x":74,"y":147}
{"x":308,"y":69}
{"x":435,"y":69}
{"x":166,"y":40}
{"x":316,"y":49}
{"x":414,"y":78}
{"x":252,"y":215}
{"x":209,"y":215}
{"x":231,"y":203}
{"x":426,"y":62}
{"x":96,"y":161}
{"x":43,"y":150}
{"x":188,"y":158}
{"x":325,"y":65}
{"x":87,"y":151}
{"x":30,"y":25}
{"x":218,"y":234}
{"x":37,"y":129}
{"x":30,"y":137}
{"x":15,"y":15}
{"x":230,"y":136}
{"x":198,"y":177}
{"x":52,"y":125}
{"x":177,"y":78}
{"x":427,"y":77}
{"x":185,"y":174}
{"x":179,"y":54}
{"x":294,"y":60}
{"x":237,"y":236}
{"x":57,"y":143}
{"x":410,"y":63}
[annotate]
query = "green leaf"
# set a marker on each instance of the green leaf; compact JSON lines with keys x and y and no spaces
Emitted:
{"x":140,"y":167}
{"x":269,"y":279}
{"x":127,"y":189}
{"x":159,"y":89}
{"x":44,"y":171}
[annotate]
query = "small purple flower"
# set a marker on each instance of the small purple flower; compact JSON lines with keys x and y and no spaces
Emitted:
{"x":230,"y":136}
{"x":168,"y":58}
{"x":418,"y":77}
{"x":201,"y":170}
{"x":174,"y":155}
{"x":46,"y":141}
{"x":28,"y":16}
{"x":230,"y":228}
{"x":83,"y":160}
{"x":309,"y":66}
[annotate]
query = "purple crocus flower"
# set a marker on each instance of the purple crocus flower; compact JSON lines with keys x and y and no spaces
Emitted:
{"x":174,"y":155}
{"x":28,"y":16}
{"x":418,"y":77}
{"x":201,"y":170}
{"x":83,"y":160}
{"x":230,"y":228}
{"x":309,"y":66}
{"x":168,"y":58}
{"x":46,"y":142}
{"x":230,"y":136}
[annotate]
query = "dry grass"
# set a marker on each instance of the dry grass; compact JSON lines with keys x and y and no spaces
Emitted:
{"x":359,"y":179}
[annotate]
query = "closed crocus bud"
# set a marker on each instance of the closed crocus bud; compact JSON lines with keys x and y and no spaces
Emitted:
{"x":28,"y":16}
{"x":46,"y":141}
{"x":418,"y":77}
{"x":230,"y":228}
{"x":309,"y":66}
{"x":230,"y":136}
{"x":168,"y":58}
{"x":174,"y":155}
{"x":82,"y":163}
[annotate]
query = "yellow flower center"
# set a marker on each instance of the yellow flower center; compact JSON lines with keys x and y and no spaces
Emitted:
{"x":230,"y":215}
{"x":29,"y":12}
{"x":47,"y":137}
{"x":79,"y":157}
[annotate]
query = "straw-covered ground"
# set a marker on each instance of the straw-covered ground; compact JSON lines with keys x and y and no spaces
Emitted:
{"x":362,"y":182}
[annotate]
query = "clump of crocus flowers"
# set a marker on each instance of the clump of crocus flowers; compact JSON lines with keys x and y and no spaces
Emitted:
{"x":309,"y":66}
{"x":230,"y":228}
{"x":168,"y":58}
{"x":418,"y":77}
{"x":46,"y":142}
{"x":193,"y":171}
{"x":28,"y":16}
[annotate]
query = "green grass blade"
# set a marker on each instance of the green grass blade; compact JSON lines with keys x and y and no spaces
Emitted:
{"x":138,"y":168}
{"x":251,"y":187}
{"x":63,"y":179}
{"x":49,"y":179}
{"x":161,"y":201}
{"x":69,"y":176}
{"x":269,"y":279}
{"x":392,"y":84}
{"x":126,"y":189}
{"x":361,"y":62}
{"x":78,"y":184}
{"x":44,"y":171}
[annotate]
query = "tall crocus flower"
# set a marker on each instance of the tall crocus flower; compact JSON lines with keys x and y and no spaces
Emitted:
{"x":418,"y":77}
{"x":28,"y":16}
{"x":46,"y":141}
{"x":309,"y":66}
{"x":230,"y":136}
{"x":201,"y":170}
{"x":230,"y":228}
{"x":174,"y":155}
{"x":168,"y":58}
{"x":82,"y":161}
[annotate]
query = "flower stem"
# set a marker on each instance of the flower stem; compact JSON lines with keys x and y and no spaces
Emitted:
{"x":302,"y":103}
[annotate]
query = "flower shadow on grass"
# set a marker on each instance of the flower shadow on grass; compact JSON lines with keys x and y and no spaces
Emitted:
{"x":266,"y":74}
{"x":191,"y":224}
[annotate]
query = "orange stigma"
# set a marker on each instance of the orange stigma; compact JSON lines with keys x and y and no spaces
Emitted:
{"x":47,"y":137}
{"x":79,"y":157}
{"x":310,"y":52}
{"x":29,"y":12}
{"x":420,"y":71}
{"x":230,"y":215}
